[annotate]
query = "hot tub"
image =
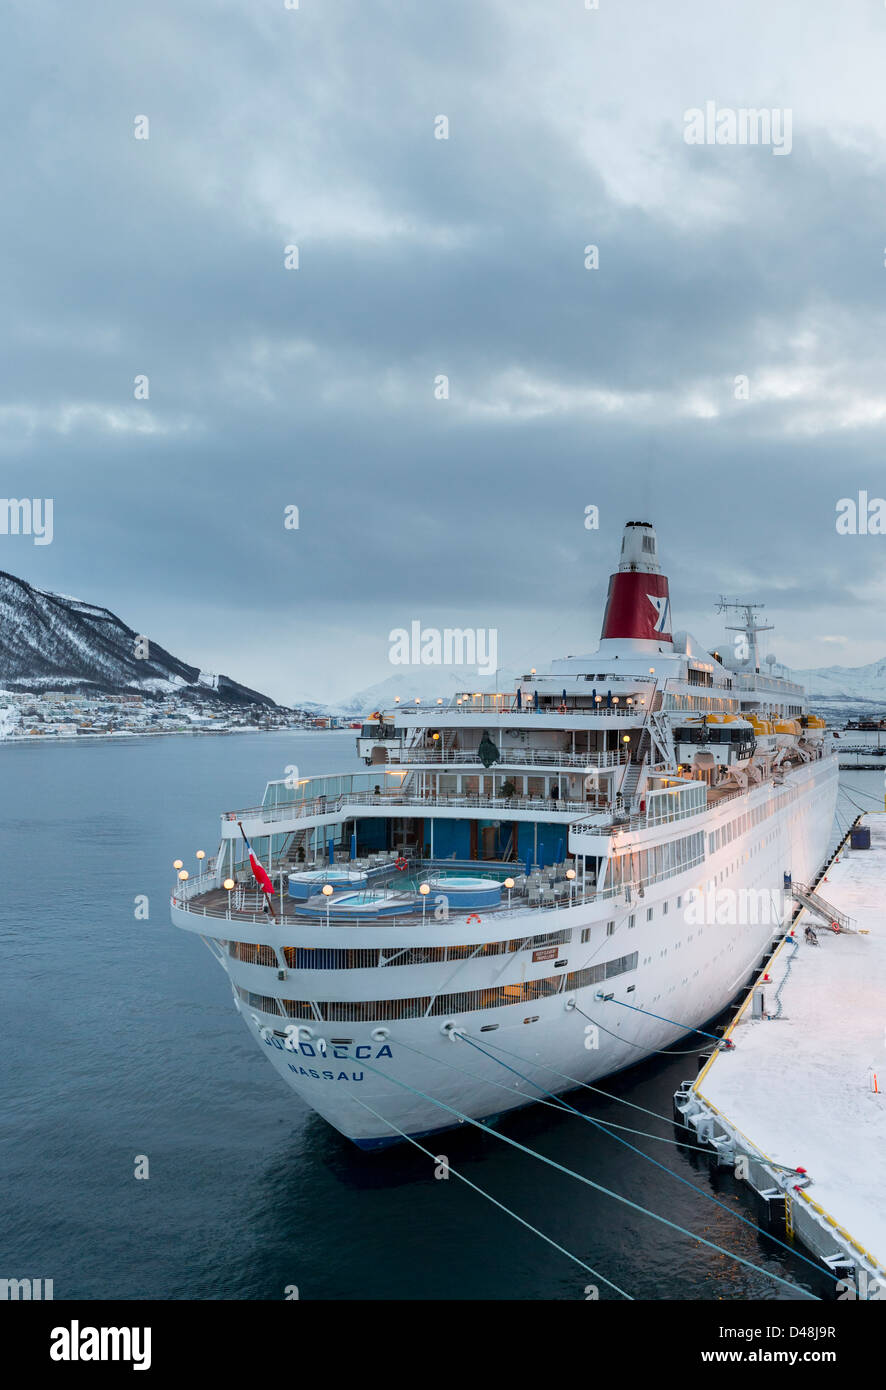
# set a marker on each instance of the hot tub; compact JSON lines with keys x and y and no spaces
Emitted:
{"x":305,"y":884}
{"x":464,"y":890}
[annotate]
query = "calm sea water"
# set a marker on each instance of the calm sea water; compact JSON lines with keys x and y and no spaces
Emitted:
{"x":121,"y":1039}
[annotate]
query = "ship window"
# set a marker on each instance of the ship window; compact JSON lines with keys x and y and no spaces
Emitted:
{"x":632,"y":921}
{"x":610,"y":928}
{"x":332,"y":1011}
{"x":586,"y":934}
{"x":649,"y":914}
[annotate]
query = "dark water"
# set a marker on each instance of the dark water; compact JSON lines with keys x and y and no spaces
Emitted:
{"x":120,"y":1039}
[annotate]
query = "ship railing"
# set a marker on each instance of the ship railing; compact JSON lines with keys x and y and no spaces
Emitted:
{"x":429,"y":714}
{"x":519,"y":907}
{"x":663,"y":806}
{"x":528,"y":757}
{"x":321,"y":805}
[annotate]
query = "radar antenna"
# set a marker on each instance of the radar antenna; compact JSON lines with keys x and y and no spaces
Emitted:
{"x":747,"y":653}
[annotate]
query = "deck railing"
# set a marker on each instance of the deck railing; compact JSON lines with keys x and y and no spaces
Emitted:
{"x":321,"y":805}
{"x":519,"y":757}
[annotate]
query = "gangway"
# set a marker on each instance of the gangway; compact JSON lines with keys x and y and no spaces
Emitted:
{"x":835,"y":919}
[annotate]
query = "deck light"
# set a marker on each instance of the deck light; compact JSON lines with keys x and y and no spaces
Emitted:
{"x":327,"y":889}
{"x":201,"y":855}
{"x":439,"y":702}
{"x":228,"y":884}
{"x":570,"y":874}
{"x":625,"y":738}
{"x":183,"y":875}
{"x":177,"y":864}
{"x":509,"y":883}
{"x":396,"y":699}
{"x":615,"y":699}
{"x":417,"y":700}
{"x":424,"y":889}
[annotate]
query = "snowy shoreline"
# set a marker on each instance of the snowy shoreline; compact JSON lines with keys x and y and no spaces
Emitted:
{"x":14,"y":740}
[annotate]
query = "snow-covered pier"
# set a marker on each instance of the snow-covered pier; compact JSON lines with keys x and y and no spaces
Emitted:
{"x":798,"y":1104}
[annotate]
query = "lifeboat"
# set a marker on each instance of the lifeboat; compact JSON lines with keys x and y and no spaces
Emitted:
{"x":813,"y":729}
{"x":764,"y":732}
{"x":787,"y":733}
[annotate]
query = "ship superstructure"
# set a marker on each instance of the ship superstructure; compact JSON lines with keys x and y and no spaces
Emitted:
{"x":571,"y":874}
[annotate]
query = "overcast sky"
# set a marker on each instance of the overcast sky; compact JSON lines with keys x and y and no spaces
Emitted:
{"x":418,"y":257}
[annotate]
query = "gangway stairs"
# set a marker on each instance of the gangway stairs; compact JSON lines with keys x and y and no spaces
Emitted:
{"x":838,"y":921}
{"x":630,"y":778}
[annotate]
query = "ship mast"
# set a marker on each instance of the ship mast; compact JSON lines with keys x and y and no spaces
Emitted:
{"x":750,"y":627}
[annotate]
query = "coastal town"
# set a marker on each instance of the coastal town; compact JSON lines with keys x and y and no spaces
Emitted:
{"x":60,"y":714}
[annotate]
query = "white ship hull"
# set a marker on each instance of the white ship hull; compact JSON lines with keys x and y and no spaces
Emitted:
{"x":395,"y":1078}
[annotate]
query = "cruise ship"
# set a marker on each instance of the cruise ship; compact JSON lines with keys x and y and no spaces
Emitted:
{"x":527,"y":889}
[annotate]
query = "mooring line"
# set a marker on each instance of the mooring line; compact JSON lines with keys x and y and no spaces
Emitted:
{"x":588,"y":1182}
{"x":557,"y":1104}
{"x":494,"y":1200}
{"x":709,"y":1196}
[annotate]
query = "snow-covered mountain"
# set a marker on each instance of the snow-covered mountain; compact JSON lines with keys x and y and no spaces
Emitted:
{"x":52,"y":641}
{"x":428,"y":683}
{"x":866,"y":683}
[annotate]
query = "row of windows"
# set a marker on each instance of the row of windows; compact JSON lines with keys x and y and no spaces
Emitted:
{"x":644,"y":866}
{"x":740,"y":825}
{"x":362,"y":958}
{"x":370,"y":1011}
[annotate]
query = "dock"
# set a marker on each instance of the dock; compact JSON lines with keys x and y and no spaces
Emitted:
{"x":795,"y":1098}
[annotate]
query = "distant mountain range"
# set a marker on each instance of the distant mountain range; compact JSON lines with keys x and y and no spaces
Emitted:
{"x":52,"y":641}
{"x":846,"y":683}
{"x":428,"y":683}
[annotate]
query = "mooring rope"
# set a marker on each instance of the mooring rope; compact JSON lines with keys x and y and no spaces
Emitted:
{"x":642,"y":1047}
{"x":588,"y":1182}
{"x":709,"y":1196}
{"x":493,"y":1200}
{"x":558,"y":1104}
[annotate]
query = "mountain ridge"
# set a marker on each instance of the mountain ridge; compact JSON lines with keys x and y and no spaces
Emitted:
{"x":50,"y":641}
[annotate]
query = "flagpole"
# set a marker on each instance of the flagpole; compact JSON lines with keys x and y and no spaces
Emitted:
{"x":252,"y":863}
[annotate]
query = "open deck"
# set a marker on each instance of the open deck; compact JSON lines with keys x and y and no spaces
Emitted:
{"x":242,"y":905}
